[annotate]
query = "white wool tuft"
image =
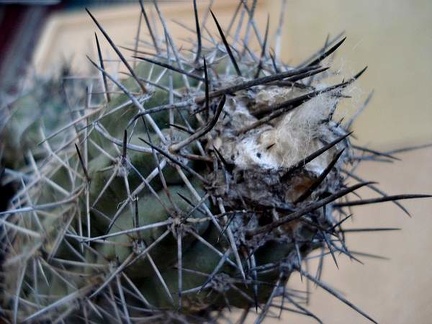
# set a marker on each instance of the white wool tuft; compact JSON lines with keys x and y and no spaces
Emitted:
{"x":294,"y":137}
{"x":299,"y":133}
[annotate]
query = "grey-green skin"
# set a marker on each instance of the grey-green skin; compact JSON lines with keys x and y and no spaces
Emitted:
{"x":64,"y":259}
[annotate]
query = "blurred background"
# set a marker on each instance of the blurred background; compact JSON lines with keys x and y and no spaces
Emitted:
{"x":392,"y":37}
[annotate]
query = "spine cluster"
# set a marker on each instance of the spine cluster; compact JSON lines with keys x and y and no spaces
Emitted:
{"x":199,"y":183}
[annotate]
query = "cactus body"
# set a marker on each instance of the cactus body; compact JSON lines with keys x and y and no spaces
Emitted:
{"x":201,"y":187}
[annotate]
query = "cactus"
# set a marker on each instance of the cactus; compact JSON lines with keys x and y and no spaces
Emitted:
{"x":195,"y":185}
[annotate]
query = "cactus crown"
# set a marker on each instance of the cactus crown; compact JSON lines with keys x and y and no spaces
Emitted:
{"x":199,"y":183}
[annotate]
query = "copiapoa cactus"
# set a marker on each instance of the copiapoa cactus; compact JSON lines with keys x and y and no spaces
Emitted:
{"x":195,"y":185}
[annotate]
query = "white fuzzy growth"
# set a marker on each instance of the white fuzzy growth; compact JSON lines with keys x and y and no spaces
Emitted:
{"x":269,"y":96}
{"x":299,"y":134}
{"x":251,"y":153}
{"x":288,"y":140}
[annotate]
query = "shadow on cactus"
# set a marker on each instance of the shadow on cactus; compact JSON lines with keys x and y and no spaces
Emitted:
{"x":196,"y":185}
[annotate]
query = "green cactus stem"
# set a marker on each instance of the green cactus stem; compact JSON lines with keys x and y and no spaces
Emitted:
{"x":197,"y":184}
